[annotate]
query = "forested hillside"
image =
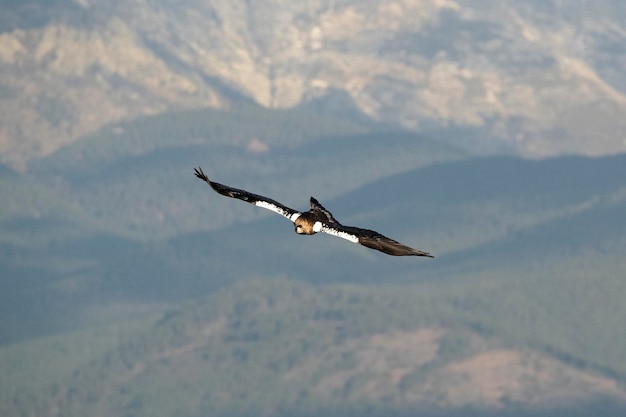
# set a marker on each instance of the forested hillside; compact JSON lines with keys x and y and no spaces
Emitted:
{"x":294,"y":349}
{"x":129,"y":287}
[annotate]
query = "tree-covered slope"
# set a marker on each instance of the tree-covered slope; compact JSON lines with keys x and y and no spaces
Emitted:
{"x":207,"y":305}
{"x":293,"y":349}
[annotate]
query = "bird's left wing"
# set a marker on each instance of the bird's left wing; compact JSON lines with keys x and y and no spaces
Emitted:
{"x":371,"y":239}
{"x":316,"y":207}
{"x":257,"y":200}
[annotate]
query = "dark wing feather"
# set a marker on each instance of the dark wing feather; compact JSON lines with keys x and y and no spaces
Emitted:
{"x":318,"y":208}
{"x":373,"y":240}
{"x":257,"y":200}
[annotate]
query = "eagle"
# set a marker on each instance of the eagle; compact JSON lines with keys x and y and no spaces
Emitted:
{"x":317,"y":219}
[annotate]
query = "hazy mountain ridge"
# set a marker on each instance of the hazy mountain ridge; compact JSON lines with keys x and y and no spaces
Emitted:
{"x":541,"y":78}
{"x":405,"y":333}
{"x":170,"y":293}
{"x":118,"y":190}
{"x":147,"y":165}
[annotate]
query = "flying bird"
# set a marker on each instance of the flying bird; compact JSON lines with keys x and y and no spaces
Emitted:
{"x":317,"y":219}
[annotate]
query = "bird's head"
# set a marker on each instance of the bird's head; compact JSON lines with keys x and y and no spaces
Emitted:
{"x":304,"y":226}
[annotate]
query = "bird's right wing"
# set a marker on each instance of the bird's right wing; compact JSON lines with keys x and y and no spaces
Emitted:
{"x":257,"y":200}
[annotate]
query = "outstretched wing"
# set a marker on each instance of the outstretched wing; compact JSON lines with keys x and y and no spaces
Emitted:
{"x":372,"y":239}
{"x":316,"y":207}
{"x":255,"y":199}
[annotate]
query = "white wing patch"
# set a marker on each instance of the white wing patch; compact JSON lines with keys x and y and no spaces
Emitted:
{"x":277,"y":209}
{"x":344,"y":235}
{"x":272,"y":207}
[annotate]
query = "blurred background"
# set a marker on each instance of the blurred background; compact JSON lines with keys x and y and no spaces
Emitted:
{"x":489,"y":133}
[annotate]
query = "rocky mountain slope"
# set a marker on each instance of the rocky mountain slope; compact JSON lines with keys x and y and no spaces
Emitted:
{"x":539,"y":78}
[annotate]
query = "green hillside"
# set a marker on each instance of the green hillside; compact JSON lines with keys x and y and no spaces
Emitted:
{"x":128,"y":287}
{"x":292,"y":349}
{"x":84,"y":219}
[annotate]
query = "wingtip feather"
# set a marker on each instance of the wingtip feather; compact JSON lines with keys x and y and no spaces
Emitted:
{"x":200,"y":174}
{"x":422,"y":253}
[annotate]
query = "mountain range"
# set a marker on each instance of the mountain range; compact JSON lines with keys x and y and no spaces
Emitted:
{"x":527,"y":77}
{"x":129,"y":288}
